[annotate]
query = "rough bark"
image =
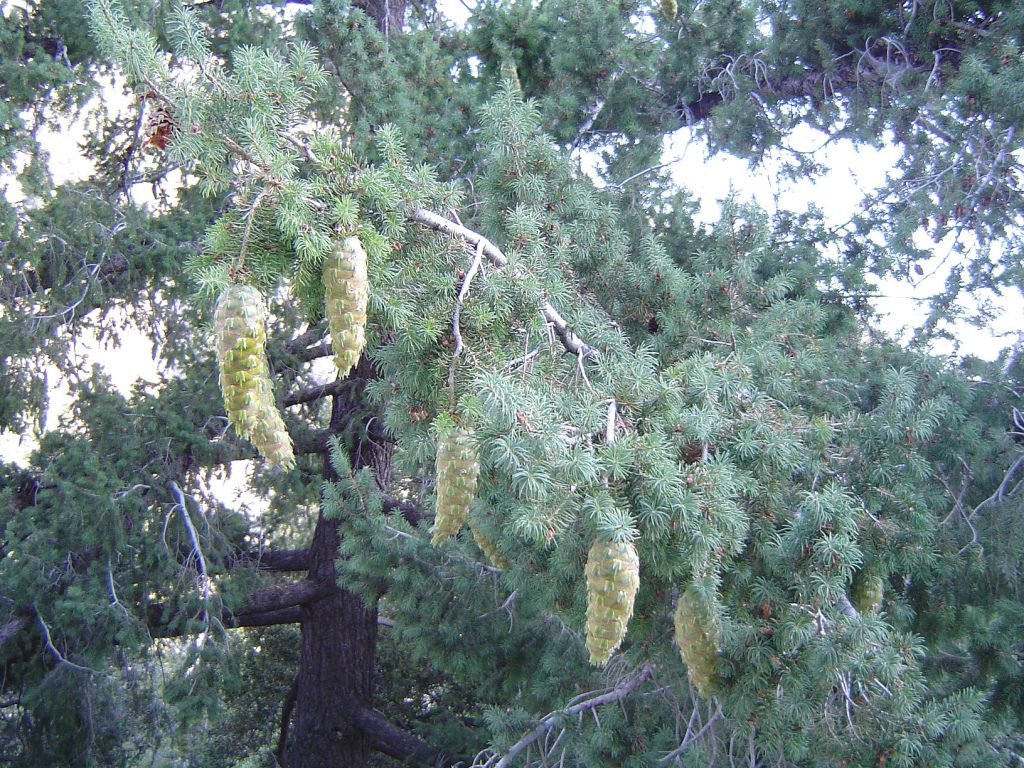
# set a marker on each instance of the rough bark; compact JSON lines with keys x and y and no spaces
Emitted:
{"x":389,"y":14}
{"x":339,"y":632}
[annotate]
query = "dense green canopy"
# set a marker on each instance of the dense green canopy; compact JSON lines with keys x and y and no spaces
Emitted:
{"x":824,"y":525}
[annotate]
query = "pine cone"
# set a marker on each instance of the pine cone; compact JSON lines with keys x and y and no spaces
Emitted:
{"x":613,"y":578}
{"x":697,"y":640}
{"x":457,"y":471}
{"x":240,"y":328}
{"x":669,"y":9}
{"x":489,"y":547}
{"x":346,"y":292}
{"x":867,"y":591}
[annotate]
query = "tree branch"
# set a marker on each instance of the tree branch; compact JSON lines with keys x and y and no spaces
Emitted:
{"x":619,"y":692}
{"x":291,"y":615}
{"x":570,"y":341}
{"x":277,"y":598}
{"x":406,"y":509}
{"x":315,"y":392}
{"x":394,"y":742}
{"x":286,"y":718}
{"x":313,"y":441}
{"x":270,"y":560}
{"x":13,"y":627}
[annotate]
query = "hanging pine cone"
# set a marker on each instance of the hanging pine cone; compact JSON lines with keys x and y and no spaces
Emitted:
{"x":160,"y":123}
{"x":613,"y":578}
{"x":457,"y":471}
{"x":240,"y":329}
{"x":346,"y":292}
{"x":669,"y":9}
{"x":489,"y":547}
{"x":697,"y":640}
{"x":867,"y":591}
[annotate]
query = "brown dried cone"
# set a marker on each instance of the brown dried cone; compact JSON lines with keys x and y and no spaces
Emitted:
{"x":240,"y":329}
{"x":697,"y":640}
{"x":613,"y":578}
{"x":346,"y":292}
{"x":867,"y":592}
{"x":457,"y":471}
{"x":489,"y":547}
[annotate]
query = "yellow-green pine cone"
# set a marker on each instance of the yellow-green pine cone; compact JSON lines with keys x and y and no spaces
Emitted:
{"x":346,"y":292}
{"x":697,"y":640}
{"x":489,"y":547}
{"x":669,"y":9}
{"x":270,"y":435}
{"x":241,"y":337}
{"x":613,"y":578}
{"x":457,"y":469}
{"x":867,"y":591}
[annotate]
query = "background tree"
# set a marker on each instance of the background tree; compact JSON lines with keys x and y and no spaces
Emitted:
{"x":713,"y":397}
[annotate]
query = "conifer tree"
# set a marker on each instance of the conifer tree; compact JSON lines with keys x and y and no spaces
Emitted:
{"x":595,"y":485}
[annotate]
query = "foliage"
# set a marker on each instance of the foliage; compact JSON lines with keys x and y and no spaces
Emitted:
{"x":711,"y":401}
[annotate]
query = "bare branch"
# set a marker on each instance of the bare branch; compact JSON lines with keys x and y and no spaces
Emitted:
{"x":441,"y":224}
{"x":48,"y":642}
{"x":570,"y":340}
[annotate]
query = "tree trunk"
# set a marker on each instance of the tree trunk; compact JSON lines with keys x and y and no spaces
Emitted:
{"x":339,"y":632}
{"x":389,"y":14}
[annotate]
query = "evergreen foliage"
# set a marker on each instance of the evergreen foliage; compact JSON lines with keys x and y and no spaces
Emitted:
{"x":597,"y":485}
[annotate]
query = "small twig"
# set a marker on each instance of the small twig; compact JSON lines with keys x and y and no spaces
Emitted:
{"x":250,"y":217}
{"x":197,"y":549}
{"x":474,"y":267}
{"x":505,"y":606}
{"x":690,"y":738}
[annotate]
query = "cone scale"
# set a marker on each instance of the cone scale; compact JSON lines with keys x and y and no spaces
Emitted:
{"x":241,"y":336}
{"x":457,"y":470}
{"x":489,"y":547}
{"x":697,"y":640}
{"x":867,"y":592}
{"x":613,"y":578}
{"x":346,"y":293}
